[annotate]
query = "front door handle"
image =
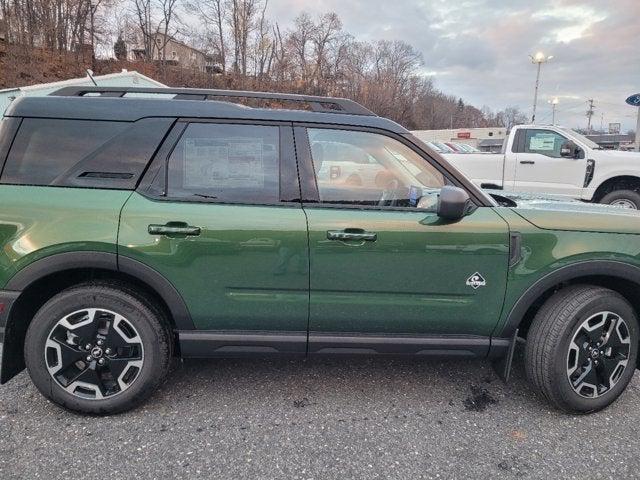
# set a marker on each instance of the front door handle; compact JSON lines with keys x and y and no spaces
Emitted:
{"x":352,"y":234}
{"x":527,"y":162}
{"x":174,"y":229}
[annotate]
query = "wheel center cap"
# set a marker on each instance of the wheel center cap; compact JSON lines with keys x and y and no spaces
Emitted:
{"x":595,"y":353}
{"x":96,"y":352}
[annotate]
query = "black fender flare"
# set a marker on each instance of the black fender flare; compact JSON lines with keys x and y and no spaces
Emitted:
{"x":607,"y":268}
{"x":106,"y":261}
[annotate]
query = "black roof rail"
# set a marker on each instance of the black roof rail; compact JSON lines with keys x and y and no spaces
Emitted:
{"x":316,"y":103}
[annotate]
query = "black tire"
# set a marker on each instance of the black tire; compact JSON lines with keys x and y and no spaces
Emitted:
{"x":629,"y":197}
{"x":143,"y":322}
{"x":547,"y":357}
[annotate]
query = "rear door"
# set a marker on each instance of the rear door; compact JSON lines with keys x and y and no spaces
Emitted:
{"x":387,"y":274}
{"x":539,"y":167}
{"x":218,"y":214}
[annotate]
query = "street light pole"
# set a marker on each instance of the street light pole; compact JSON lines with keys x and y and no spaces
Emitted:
{"x":538,"y":58}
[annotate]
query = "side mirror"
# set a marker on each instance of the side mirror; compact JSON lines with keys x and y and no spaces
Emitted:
{"x":569,"y":150}
{"x":454,"y":203}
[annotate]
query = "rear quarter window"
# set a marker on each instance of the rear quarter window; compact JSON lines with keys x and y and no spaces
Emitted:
{"x":82,"y":153}
{"x":8,"y":128}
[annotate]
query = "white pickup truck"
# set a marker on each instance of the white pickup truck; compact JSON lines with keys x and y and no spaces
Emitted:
{"x":558,"y":161}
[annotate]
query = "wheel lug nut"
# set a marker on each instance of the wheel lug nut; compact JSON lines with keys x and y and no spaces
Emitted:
{"x":88,"y":358}
{"x":99,"y":342}
{"x":108,"y":351}
{"x":101,"y":361}
{"x":87,"y":346}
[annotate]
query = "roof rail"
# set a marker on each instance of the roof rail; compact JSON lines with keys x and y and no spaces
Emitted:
{"x":316,"y":103}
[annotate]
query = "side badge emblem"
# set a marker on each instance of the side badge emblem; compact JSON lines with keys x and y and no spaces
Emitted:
{"x":476,"y":281}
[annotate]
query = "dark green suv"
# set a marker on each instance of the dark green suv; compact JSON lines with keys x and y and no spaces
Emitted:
{"x":141,"y":224}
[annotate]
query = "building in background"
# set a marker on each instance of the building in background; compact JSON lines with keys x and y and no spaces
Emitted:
{"x":175,"y":52}
{"x":488,"y":139}
{"x":610,"y":141}
{"x":123,"y":79}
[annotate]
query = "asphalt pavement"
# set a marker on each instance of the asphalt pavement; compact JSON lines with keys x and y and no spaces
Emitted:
{"x":323,"y":419}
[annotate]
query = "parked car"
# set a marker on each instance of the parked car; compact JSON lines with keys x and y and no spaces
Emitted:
{"x":135,"y":230}
{"x":558,"y":161}
{"x":468,"y":148}
{"x":443,"y":147}
{"x":440,"y":147}
{"x":455,"y":147}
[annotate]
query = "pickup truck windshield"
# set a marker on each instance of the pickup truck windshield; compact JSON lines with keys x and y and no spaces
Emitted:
{"x":581,"y":138}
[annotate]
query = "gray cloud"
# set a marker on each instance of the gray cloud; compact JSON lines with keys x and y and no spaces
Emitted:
{"x":479,"y":49}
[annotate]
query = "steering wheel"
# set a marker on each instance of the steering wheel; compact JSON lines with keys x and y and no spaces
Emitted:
{"x":389,"y":197}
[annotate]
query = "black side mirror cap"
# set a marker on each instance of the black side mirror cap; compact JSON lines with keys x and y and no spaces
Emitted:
{"x":454,"y":203}
{"x":570,"y":150}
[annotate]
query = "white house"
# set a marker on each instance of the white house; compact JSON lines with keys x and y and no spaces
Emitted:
{"x":122,"y":79}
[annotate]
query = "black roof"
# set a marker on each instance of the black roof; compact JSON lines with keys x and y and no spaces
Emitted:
{"x":111,"y":104}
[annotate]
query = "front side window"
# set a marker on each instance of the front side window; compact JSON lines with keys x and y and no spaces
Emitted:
{"x":364,"y":168}
{"x":544,"y":142}
{"x":226,"y":162}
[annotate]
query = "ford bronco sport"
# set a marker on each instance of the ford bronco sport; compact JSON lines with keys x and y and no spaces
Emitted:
{"x":140,"y":224}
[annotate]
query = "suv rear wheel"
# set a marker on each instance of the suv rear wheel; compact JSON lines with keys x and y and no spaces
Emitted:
{"x":582,"y":348}
{"x":97,"y":348}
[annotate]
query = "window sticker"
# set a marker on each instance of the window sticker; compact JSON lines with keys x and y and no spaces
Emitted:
{"x":228,"y":162}
{"x":543,"y":142}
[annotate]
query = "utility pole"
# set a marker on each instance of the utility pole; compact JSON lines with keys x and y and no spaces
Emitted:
{"x":590,"y":114}
{"x":93,"y":5}
{"x":553,"y":103}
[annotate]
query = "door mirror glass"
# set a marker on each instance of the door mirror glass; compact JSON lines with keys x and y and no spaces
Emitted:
{"x":569,"y":150}
{"x":454,"y":203}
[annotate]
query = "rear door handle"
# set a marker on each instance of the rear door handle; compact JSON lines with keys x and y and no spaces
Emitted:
{"x":527,"y":162}
{"x":174,"y":229}
{"x":352,"y":234}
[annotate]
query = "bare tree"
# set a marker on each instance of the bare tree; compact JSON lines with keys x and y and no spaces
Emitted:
{"x":213,"y":13}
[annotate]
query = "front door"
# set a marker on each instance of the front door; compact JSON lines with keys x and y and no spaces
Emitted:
{"x":383,"y":264}
{"x":220,"y":218}
{"x":540,"y":168}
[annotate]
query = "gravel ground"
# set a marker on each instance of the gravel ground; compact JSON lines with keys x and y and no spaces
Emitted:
{"x":323,"y":419}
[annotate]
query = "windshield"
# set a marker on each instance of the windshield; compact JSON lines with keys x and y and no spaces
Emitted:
{"x":581,"y":138}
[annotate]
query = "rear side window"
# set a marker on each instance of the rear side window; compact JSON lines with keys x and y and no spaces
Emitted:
{"x":82,"y":153}
{"x":8,"y":128}
{"x":227,"y":163}
{"x":44,"y":148}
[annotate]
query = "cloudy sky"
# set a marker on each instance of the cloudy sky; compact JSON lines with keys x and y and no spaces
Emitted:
{"x":479,"y":49}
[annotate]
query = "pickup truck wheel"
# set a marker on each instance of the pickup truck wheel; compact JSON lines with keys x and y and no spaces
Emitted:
{"x":95,"y":348}
{"x":582,"y":348}
{"x":622,"y":198}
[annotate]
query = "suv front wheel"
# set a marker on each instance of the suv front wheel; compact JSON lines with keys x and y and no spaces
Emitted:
{"x":582,"y":348}
{"x":97,"y":348}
